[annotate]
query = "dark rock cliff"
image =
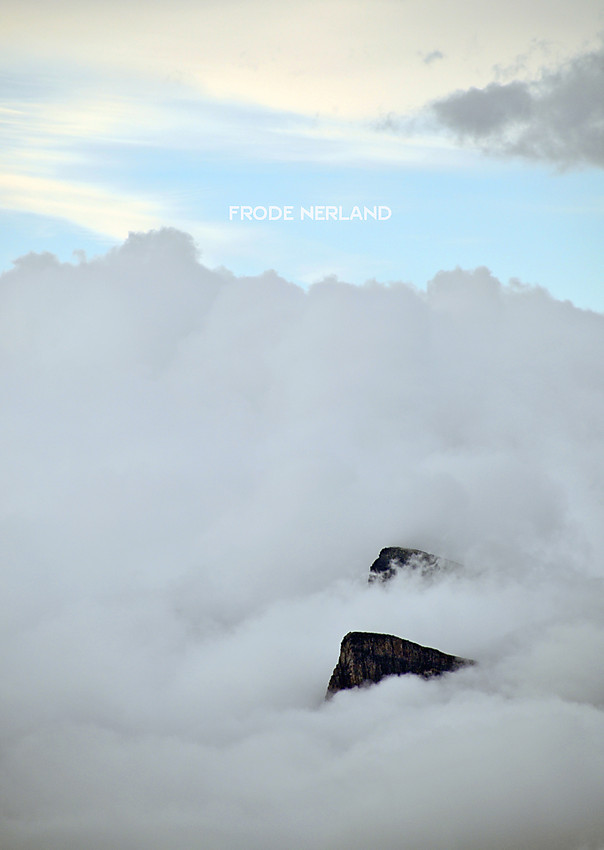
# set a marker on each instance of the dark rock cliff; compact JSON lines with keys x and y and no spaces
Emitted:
{"x":395,"y":558}
{"x":366,"y":658}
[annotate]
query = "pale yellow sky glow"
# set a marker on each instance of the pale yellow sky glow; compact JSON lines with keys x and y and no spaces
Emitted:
{"x":350,"y":59}
{"x":98,"y":210}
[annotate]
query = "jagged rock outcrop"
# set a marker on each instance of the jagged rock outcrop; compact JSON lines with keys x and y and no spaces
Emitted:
{"x":367,"y":658}
{"x":395,"y":558}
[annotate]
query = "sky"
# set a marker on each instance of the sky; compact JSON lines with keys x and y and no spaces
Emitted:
{"x":120,"y":117}
{"x":211,"y":427}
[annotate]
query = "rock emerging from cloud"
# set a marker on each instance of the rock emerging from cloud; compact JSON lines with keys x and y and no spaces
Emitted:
{"x":366,"y":658}
{"x":392,"y":559}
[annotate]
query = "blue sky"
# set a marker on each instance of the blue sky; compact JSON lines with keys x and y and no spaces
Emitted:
{"x":117,"y":123}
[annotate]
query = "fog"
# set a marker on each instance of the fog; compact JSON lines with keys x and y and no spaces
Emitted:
{"x":199,"y":470}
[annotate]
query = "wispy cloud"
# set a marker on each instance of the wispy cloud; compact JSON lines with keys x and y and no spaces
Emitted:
{"x":433,"y":56}
{"x":100,"y":210}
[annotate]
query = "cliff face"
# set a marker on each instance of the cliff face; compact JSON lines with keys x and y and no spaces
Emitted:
{"x":395,"y":558}
{"x":366,"y":658}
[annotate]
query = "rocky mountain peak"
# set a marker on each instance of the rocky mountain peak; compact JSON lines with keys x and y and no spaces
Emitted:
{"x":392,"y":559}
{"x":367,"y":658}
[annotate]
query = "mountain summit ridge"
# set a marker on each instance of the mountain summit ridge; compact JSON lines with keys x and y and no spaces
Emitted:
{"x":368,"y":657}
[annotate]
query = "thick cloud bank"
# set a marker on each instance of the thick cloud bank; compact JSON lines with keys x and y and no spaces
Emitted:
{"x":199,"y":470}
{"x":559,"y":118}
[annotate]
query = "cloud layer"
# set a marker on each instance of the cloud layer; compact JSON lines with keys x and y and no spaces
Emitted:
{"x":199,"y":470}
{"x":559,"y":118}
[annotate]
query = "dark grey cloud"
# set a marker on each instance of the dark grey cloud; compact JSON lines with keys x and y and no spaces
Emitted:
{"x":481,"y":112}
{"x":559,"y":118}
{"x":198,"y":470}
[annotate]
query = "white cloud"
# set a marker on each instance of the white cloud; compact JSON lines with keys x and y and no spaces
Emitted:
{"x":198,"y":472}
